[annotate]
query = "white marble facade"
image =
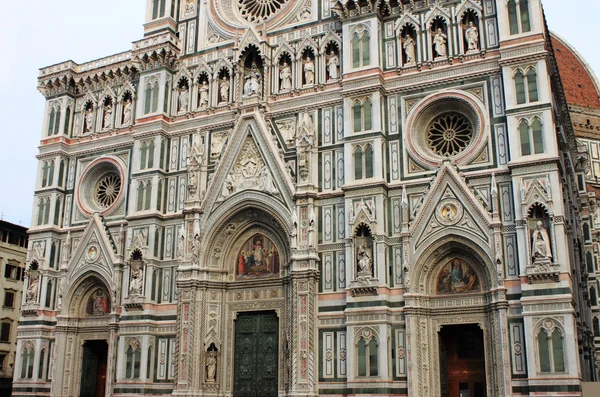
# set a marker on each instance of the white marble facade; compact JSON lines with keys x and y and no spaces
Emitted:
{"x":363,"y":174}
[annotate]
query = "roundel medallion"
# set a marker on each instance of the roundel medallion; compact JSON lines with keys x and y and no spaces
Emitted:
{"x":449,"y":212}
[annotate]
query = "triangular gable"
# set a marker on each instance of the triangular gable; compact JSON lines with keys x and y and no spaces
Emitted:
{"x":468,"y":5}
{"x":250,"y":155}
{"x":330,"y":37}
{"x":451,"y":207}
{"x":250,"y":37}
{"x":405,"y":20}
{"x":284,"y":48}
{"x":95,"y":252}
{"x":435,"y":12}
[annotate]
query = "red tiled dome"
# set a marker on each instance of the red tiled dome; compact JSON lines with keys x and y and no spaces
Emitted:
{"x":578,"y":80}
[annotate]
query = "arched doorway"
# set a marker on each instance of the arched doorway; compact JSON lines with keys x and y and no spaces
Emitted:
{"x":453,"y":324}
{"x":84,"y":341}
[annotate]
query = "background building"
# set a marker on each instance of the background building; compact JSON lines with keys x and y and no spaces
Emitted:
{"x":308,"y":198}
{"x":13,"y":252}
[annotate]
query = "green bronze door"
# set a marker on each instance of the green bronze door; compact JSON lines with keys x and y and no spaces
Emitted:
{"x":256,"y":359}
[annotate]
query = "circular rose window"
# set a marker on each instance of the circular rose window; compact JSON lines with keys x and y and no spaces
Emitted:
{"x":108,"y":189}
{"x":101,"y":186}
{"x":449,"y":134}
{"x":259,"y":10}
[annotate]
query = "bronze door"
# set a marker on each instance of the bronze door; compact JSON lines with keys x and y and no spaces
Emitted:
{"x":256,"y":355}
{"x":93,"y":369}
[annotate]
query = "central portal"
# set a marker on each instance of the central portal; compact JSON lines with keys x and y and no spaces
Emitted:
{"x":256,"y":355}
{"x":462,"y":361}
{"x":93,"y":369}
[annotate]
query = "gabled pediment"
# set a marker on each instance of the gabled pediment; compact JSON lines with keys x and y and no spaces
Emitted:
{"x":95,"y":252}
{"x":450,"y":207}
{"x":251,"y":162}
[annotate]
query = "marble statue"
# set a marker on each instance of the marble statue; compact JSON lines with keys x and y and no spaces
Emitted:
{"x":285,"y":75}
{"x":439,"y":44}
{"x":203,"y":90}
{"x":32,"y":290}
{"x":196,"y":249}
{"x":135,"y":287}
{"x":332,"y":66}
{"x":211,"y":366}
{"x":180,"y":247}
{"x":228,"y":186}
{"x":127,"y":112}
{"x":89,"y":120}
{"x":472,"y":36}
{"x":309,"y":71}
{"x":224,"y":90}
{"x":409,"y":49}
{"x":184,"y":98}
{"x":365,"y":263}
{"x":252,"y":84}
{"x":108,"y":116}
{"x":540,"y":242}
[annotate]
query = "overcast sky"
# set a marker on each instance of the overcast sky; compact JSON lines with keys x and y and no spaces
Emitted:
{"x":40,"y":33}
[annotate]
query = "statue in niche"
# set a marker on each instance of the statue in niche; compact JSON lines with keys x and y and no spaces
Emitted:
{"x":365,"y":261}
{"x":224,"y":90}
{"x":228,"y":186}
{"x":472,"y":36}
{"x":540,"y":242}
{"x":196,"y":155}
{"x":89,"y":120}
{"x":137,"y":278}
{"x":253,"y":80}
{"x":408,"y":44}
{"x":285,"y":75}
{"x":32,"y":290}
{"x":108,"y":116}
{"x":332,"y":65}
{"x":183,"y":99}
{"x":309,"y":71}
{"x":211,"y":366}
{"x":181,"y":248}
{"x":196,"y":249}
{"x":203,"y":93}
{"x":127,"y":111}
{"x":258,"y":258}
{"x":307,"y":128}
{"x":439,"y":43}
{"x":218,"y":143}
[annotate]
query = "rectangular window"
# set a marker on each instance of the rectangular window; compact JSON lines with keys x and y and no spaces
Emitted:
{"x":9,"y":299}
{"x":10,"y":272}
{"x":5,"y":332}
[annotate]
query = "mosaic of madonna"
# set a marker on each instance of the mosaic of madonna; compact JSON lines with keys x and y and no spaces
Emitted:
{"x":258,"y":258}
{"x":456,"y":277}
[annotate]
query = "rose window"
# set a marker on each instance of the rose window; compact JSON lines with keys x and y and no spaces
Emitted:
{"x":449,"y":134}
{"x":259,"y":10}
{"x":108,"y":189}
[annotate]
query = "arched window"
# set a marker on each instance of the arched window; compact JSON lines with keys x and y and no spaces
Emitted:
{"x":538,"y":141}
{"x":67,"y":121}
{"x":586,"y":232}
{"x":357,"y":115}
{"x":45,"y":174}
{"x":513,"y":18}
{"x":150,"y":155}
{"x":524,"y":136}
{"x":27,"y":357}
{"x":143,"y":155}
{"x":40,"y":217}
{"x":596,"y":326}
{"x":51,"y":122}
{"x":151,"y":99}
{"x":520,"y":87}
{"x":531,"y":136}
{"x":361,"y":48}
{"x":532,"y":89}
{"x":367,"y":355}
{"x":593,"y":296}
{"x":134,"y":358}
{"x":51,"y":173}
{"x":148,"y":195}
{"x":589,"y":259}
{"x":61,"y":173}
{"x":46,"y":210}
{"x":368,"y":161}
{"x":550,"y":348}
{"x":518,"y":16}
{"x":362,"y":114}
{"x":358,"y":163}
{"x":56,"y":122}
{"x":140,"y":196}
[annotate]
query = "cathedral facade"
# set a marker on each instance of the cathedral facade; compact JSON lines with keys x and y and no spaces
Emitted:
{"x":302,"y":198}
